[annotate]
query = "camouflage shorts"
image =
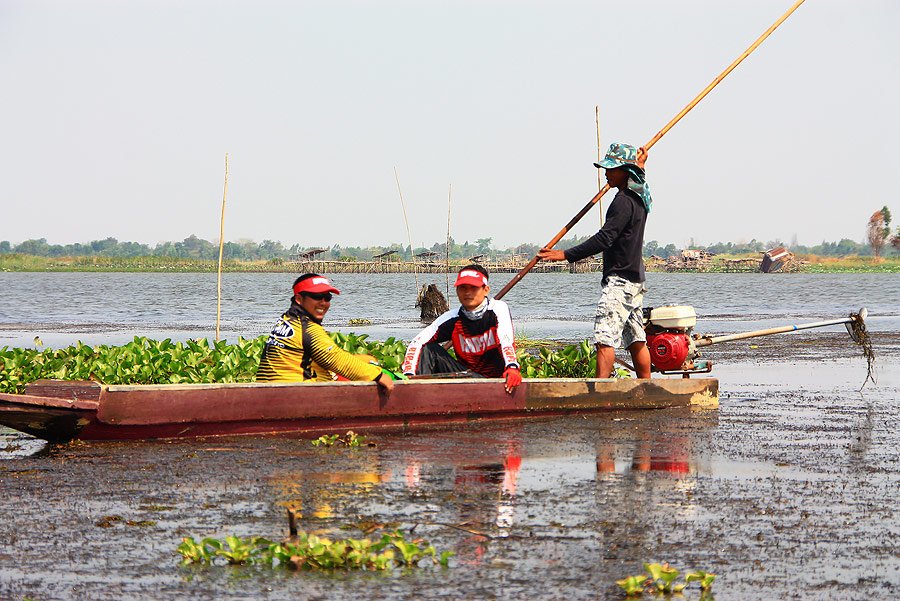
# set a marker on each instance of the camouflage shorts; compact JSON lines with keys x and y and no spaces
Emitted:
{"x":620,"y":319}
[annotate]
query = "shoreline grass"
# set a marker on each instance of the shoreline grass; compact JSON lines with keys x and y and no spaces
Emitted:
{"x":31,"y":263}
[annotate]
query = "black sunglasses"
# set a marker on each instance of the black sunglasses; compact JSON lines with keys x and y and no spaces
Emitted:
{"x":325,"y":296}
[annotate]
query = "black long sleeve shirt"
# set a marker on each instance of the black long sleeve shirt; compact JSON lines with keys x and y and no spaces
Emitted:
{"x":621,"y":239}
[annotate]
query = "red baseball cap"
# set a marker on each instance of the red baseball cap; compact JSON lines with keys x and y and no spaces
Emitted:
{"x":471,"y":277}
{"x":315,"y":284}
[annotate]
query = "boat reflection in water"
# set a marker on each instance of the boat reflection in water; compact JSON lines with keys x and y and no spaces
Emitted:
{"x":492,"y":481}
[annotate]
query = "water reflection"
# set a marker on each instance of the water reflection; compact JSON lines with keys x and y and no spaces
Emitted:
{"x":492,"y":481}
{"x":315,"y":495}
{"x":14,"y":445}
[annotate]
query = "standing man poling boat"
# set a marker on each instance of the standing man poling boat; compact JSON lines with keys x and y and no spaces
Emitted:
{"x":481,"y":332}
{"x":621,"y":240}
{"x":300,"y":350}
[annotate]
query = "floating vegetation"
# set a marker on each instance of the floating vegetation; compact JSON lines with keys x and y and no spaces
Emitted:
{"x":141,"y":361}
{"x":351,"y":439}
{"x":110,"y":520}
{"x":525,"y":343}
{"x":572,"y":361}
{"x":310,"y":552}
{"x":148,"y":361}
{"x":389,"y":353}
{"x":860,"y":336}
{"x":360,"y":321}
{"x":662,"y":579}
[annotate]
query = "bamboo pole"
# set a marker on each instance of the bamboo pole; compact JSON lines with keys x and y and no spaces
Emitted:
{"x":653,"y":141}
{"x":412,"y":253}
{"x":599,"y":158}
{"x":447,"y":248}
{"x":221,"y":249}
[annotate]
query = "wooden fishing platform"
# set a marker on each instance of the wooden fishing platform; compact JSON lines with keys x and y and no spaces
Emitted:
{"x":510,"y":266}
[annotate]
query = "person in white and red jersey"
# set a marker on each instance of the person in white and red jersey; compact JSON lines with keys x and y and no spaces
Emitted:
{"x":481,"y":332}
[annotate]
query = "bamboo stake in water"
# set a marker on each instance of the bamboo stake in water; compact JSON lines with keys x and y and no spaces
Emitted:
{"x":221,"y":248}
{"x":447,"y":248}
{"x":650,"y":144}
{"x":412,"y":253}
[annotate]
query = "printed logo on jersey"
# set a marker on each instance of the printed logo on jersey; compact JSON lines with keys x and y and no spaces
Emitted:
{"x":283,"y":329}
{"x":476,"y":345}
{"x":272,"y":341}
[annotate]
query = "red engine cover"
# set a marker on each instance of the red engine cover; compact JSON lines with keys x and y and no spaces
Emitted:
{"x":668,"y":350}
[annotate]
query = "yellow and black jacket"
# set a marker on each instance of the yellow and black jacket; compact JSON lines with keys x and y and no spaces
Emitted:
{"x":300,"y":350}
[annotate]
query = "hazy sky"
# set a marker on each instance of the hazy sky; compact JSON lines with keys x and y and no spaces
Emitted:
{"x":115,"y":118}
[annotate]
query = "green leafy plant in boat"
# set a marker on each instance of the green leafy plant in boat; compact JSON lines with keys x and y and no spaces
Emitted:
{"x":148,"y":361}
{"x":572,"y":361}
{"x":141,"y":361}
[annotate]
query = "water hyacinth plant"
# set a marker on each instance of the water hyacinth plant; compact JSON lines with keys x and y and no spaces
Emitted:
{"x":572,"y":361}
{"x":663,"y":580}
{"x":148,"y":361}
{"x":351,"y":439}
{"x":141,"y":361}
{"x":704,"y":578}
{"x":663,"y":577}
{"x":389,"y":353}
{"x":326,"y":440}
{"x":633,"y":585}
{"x":311,"y":552}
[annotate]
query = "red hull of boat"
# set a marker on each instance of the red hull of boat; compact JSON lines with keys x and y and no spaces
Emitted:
{"x":59,"y":411}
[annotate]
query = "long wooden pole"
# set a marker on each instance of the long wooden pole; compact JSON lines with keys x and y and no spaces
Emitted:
{"x":412,"y":252}
{"x":221,"y":249}
{"x":447,"y":248}
{"x":599,"y":158}
{"x":650,"y":144}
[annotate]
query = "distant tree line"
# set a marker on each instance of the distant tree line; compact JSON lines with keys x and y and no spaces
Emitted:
{"x":826,"y":249}
{"x":193,"y":247}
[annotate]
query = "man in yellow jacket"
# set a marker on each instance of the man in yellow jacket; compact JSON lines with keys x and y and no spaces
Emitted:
{"x":300,"y":350}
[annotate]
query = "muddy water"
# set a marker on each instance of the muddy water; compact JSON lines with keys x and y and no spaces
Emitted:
{"x":788,"y":491}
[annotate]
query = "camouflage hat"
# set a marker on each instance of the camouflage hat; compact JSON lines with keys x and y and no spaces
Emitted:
{"x":618,"y":155}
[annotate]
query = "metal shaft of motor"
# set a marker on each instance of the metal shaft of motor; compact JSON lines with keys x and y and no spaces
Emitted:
{"x":708,"y":340}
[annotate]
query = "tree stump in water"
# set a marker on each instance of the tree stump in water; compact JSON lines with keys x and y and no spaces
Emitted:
{"x":432,"y":302}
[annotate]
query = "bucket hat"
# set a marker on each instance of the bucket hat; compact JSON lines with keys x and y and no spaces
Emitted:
{"x":625,"y":155}
{"x":618,"y":155}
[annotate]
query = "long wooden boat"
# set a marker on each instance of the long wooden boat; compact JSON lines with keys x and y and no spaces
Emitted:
{"x":57,"y":410}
